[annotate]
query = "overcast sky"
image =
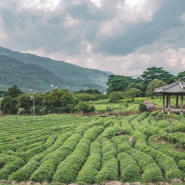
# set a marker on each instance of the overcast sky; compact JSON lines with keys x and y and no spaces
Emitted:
{"x":122,"y":36}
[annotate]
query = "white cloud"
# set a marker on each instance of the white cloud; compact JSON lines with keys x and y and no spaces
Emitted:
{"x":124,"y":37}
{"x":96,"y":2}
{"x":41,"y":4}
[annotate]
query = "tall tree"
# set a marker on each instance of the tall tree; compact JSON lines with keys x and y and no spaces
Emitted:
{"x":1,"y":93}
{"x":13,"y":92}
{"x":154,"y":73}
{"x":181,"y":75}
{"x":9,"y":104}
{"x":132,"y":93}
{"x":118,"y":83}
{"x":92,"y":91}
{"x":152,"y":85}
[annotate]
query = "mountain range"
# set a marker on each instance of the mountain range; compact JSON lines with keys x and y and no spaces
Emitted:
{"x":34,"y":73}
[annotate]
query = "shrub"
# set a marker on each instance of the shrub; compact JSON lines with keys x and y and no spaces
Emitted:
{"x":109,"y":168}
{"x":50,"y":161}
{"x":130,"y":171}
{"x":92,"y":165}
{"x":68,"y":169}
{"x":21,"y":111}
{"x":142,"y":107}
{"x":86,"y":107}
{"x":116,"y":95}
{"x":182,"y":165}
{"x":24,"y":173}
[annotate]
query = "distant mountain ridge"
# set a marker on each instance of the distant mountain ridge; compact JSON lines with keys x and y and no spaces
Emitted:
{"x":61,"y":74}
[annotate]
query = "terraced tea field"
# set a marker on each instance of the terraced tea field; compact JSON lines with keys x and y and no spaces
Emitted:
{"x":60,"y":148}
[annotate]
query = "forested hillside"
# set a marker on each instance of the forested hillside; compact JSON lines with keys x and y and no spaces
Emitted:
{"x":84,"y":77}
{"x":31,"y":76}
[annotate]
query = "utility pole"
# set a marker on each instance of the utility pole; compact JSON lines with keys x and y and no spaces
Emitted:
{"x":32,"y":98}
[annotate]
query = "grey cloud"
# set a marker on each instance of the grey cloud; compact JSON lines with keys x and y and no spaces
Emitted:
{"x":71,"y":27}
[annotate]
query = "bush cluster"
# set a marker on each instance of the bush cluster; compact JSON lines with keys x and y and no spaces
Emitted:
{"x":93,"y":164}
{"x":68,"y":169}
{"x":151,"y":171}
{"x":109,"y":170}
{"x":10,"y":164}
{"x":50,"y":161}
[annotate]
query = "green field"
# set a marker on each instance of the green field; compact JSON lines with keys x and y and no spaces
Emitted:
{"x":67,"y":149}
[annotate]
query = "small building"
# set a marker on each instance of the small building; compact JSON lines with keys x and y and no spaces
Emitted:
{"x":178,"y":89}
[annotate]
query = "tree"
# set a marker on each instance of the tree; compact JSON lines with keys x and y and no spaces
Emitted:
{"x":86,"y":107}
{"x":80,"y":91}
{"x":9,"y":105}
{"x":152,"y":85}
{"x":181,"y":75}
{"x":118,"y":83}
{"x":13,"y":92}
{"x":1,"y":93}
{"x":92,"y":91}
{"x":59,"y":98}
{"x":132,"y":93}
{"x":116,"y":95}
{"x":25,"y":101}
{"x":142,"y":107}
{"x":135,"y":85}
{"x":154,"y":73}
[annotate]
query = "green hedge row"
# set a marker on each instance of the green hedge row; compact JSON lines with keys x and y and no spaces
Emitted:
{"x":92,"y":165}
{"x":151,"y":171}
{"x":9,"y":164}
{"x":142,"y":116}
{"x":109,"y":132}
{"x":126,"y":127}
{"x":25,"y":173}
{"x":139,"y":127}
{"x":117,"y":123}
{"x":68,"y":169}
{"x":120,"y":139}
{"x":166,"y":149}
{"x":50,"y":161}
{"x":60,"y":140}
{"x":177,"y":138}
{"x":107,"y":123}
{"x":166,"y":163}
{"x":26,"y":156}
{"x":25,"y":148}
{"x":109,"y":170}
{"x":146,"y":122}
{"x":14,"y":146}
{"x":83,"y":127}
{"x":130,"y":171}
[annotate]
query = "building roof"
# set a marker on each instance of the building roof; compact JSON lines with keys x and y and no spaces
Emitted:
{"x":176,"y":87}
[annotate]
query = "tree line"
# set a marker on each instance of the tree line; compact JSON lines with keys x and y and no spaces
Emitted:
{"x":59,"y":101}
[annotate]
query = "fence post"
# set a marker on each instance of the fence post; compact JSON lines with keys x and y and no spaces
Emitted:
{"x":108,"y":111}
{"x":100,"y":113}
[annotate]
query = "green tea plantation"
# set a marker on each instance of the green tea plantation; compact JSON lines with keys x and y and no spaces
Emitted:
{"x":89,"y":150}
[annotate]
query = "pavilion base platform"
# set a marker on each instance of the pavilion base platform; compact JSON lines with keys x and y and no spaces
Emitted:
{"x":177,"y":111}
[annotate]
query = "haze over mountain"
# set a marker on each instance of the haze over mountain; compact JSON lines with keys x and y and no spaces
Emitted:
{"x":30,"y":71}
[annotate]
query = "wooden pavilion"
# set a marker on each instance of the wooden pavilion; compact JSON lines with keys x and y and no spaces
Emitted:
{"x":178,"y":89}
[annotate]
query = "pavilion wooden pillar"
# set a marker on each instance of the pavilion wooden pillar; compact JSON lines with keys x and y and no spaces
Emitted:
{"x":168,"y":104}
{"x":166,"y":101}
{"x":181,"y":104}
{"x":177,"y":100}
{"x":163,"y":102}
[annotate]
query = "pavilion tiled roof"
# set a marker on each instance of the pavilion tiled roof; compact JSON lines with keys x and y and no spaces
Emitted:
{"x":176,"y":87}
